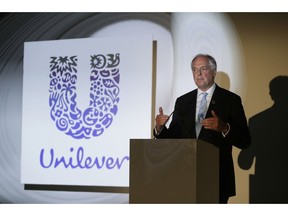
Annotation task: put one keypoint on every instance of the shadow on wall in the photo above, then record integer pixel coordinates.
(269, 132)
(222, 79)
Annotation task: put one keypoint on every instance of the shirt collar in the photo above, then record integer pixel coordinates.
(209, 91)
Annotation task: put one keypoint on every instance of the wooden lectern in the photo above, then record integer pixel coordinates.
(173, 171)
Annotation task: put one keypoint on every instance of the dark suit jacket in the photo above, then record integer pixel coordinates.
(228, 107)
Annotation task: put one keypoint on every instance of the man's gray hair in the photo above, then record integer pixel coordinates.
(212, 61)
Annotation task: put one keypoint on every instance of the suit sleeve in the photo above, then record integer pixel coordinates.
(176, 129)
(239, 134)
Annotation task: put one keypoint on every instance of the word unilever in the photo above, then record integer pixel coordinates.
(80, 160)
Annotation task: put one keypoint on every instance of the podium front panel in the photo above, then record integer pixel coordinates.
(167, 171)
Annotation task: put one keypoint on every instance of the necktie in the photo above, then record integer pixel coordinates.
(201, 112)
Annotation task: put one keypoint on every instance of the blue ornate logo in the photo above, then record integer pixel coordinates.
(104, 95)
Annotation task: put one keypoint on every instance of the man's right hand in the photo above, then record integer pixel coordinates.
(160, 119)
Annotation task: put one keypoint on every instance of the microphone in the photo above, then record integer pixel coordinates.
(162, 126)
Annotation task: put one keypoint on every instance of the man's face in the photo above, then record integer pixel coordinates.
(202, 73)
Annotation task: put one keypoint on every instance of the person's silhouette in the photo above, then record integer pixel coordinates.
(269, 146)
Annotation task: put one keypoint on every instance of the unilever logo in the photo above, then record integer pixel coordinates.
(104, 95)
(91, 122)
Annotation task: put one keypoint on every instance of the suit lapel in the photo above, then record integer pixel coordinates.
(193, 104)
(213, 102)
(191, 113)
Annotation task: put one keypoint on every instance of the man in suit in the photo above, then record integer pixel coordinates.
(224, 124)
